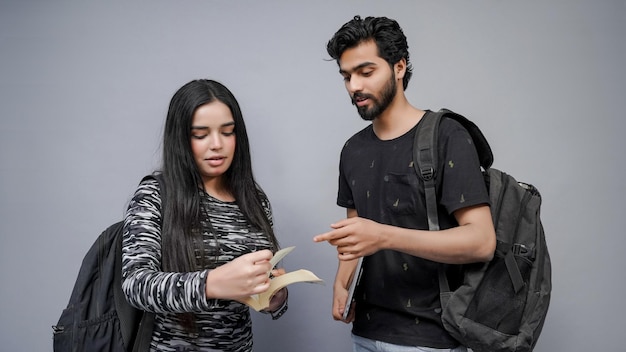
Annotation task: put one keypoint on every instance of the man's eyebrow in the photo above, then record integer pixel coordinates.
(358, 67)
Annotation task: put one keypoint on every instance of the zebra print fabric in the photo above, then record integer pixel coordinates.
(220, 325)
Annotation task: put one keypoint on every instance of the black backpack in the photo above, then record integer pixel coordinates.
(98, 317)
(500, 305)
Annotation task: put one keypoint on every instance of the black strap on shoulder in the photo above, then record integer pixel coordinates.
(425, 154)
(126, 313)
(144, 333)
(425, 162)
(146, 325)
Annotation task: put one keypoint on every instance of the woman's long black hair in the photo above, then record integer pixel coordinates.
(182, 209)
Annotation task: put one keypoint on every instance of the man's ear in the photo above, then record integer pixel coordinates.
(400, 69)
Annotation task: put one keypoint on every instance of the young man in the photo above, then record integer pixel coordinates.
(397, 306)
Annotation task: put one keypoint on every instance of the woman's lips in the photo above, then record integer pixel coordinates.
(215, 161)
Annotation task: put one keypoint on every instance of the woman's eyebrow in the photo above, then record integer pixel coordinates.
(227, 124)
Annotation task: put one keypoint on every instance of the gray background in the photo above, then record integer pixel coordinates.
(84, 88)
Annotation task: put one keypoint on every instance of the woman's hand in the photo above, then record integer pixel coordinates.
(243, 276)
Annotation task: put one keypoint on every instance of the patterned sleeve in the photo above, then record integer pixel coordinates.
(267, 207)
(144, 283)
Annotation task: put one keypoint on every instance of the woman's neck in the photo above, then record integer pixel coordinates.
(216, 188)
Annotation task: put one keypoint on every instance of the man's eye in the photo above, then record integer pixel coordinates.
(346, 78)
(367, 74)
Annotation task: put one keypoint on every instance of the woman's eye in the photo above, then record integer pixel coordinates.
(198, 136)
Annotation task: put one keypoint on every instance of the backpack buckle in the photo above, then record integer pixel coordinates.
(427, 173)
(523, 251)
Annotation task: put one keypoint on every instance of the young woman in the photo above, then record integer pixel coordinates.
(196, 248)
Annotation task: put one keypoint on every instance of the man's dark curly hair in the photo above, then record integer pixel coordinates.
(385, 32)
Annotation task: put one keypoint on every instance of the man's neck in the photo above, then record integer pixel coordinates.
(397, 119)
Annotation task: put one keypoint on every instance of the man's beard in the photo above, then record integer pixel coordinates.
(378, 106)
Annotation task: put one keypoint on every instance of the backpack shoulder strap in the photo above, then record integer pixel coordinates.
(140, 342)
(425, 161)
(425, 154)
(144, 332)
(127, 314)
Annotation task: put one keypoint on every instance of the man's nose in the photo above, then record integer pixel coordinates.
(354, 85)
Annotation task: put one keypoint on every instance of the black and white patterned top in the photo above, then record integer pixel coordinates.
(220, 325)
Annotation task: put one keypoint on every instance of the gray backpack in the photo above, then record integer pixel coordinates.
(500, 305)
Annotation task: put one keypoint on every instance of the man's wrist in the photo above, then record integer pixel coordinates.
(279, 313)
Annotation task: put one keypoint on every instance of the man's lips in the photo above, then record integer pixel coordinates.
(360, 99)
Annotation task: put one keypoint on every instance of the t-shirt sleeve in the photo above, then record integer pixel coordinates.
(463, 184)
(144, 283)
(344, 193)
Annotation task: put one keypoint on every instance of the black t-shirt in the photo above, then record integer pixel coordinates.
(398, 297)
